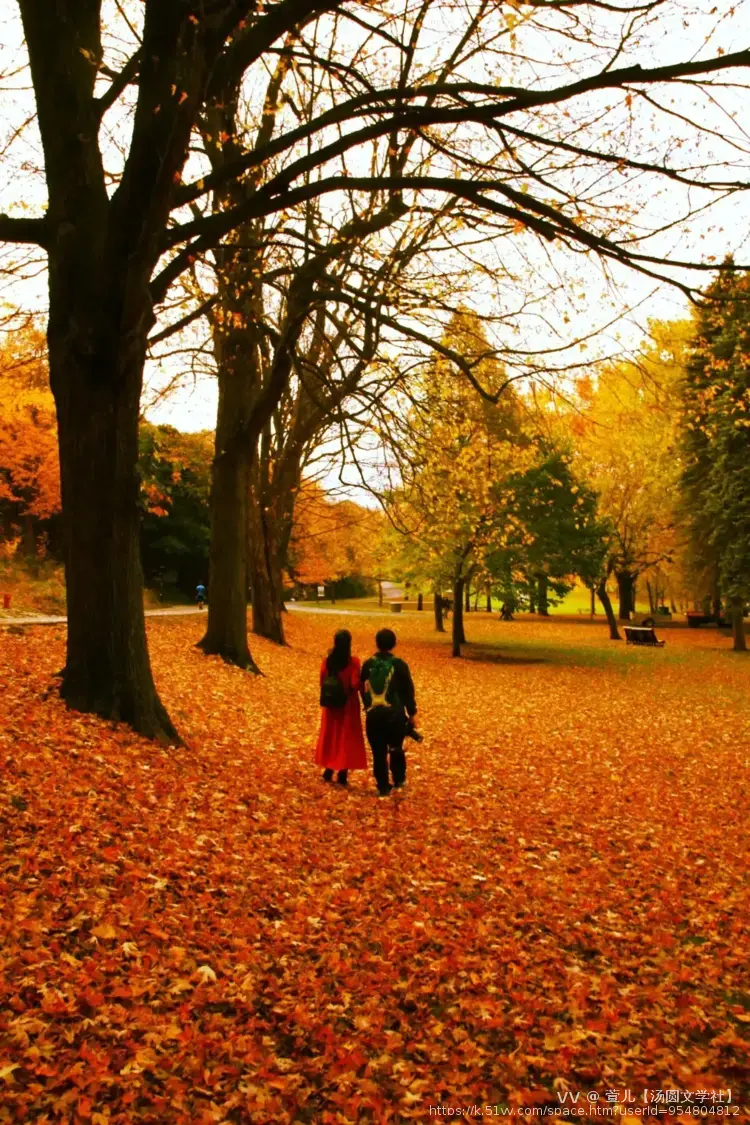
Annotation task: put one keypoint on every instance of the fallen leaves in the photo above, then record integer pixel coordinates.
(209, 934)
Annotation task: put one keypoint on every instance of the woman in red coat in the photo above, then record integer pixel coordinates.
(341, 744)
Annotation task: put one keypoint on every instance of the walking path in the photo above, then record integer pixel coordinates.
(302, 607)
(184, 610)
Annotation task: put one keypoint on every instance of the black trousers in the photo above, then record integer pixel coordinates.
(385, 732)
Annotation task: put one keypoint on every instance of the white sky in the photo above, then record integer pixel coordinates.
(590, 299)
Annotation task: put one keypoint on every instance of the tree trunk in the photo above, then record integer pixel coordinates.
(438, 607)
(96, 376)
(625, 591)
(489, 601)
(542, 586)
(458, 634)
(226, 630)
(28, 539)
(738, 625)
(420, 602)
(532, 603)
(604, 598)
(593, 602)
(716, 602)
(467, 597)
(266, 579)
(380, 592)
(651, 599)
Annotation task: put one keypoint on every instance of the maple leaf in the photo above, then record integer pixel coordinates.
(498, 933)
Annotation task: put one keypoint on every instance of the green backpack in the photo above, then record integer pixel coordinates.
(378, 683)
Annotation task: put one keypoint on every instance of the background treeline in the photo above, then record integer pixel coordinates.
(331, 542)
(631, 476)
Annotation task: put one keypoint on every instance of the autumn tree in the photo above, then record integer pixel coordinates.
(624, 424)
(457, 450)
(123, 219)
(29, 469)
(330, 539)
(716, 439)
(298, 309)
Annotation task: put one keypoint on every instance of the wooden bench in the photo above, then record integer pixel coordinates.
(642, 635)
(696, 618)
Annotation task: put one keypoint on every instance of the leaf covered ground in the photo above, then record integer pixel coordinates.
(558, 901)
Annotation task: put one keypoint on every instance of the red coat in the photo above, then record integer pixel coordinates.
(341, 744)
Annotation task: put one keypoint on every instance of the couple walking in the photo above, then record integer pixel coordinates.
(385, 685)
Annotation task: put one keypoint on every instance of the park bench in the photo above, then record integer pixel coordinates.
(696, 618)
(642, 635)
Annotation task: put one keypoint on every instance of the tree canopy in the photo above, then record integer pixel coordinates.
(716, 437)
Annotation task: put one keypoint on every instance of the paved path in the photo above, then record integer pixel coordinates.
(40, 619)
(184, 610)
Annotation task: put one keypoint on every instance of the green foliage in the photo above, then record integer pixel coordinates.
(716, 433)
(175, 471)
(561, 534)
(485, 495)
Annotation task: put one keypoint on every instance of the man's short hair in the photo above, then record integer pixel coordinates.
(385, 639)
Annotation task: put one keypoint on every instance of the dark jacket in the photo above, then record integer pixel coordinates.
(401, 685)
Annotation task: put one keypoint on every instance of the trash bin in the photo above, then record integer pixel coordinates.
(6, 601)
(395, 607)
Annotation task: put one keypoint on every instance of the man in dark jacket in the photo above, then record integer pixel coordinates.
(388, 693)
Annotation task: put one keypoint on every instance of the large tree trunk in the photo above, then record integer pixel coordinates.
(103, 246)
(226, 631)
(542, 603)
(467, 597)
(738, 625)
(625, 592)
(268, 601)
(651, 597)
(593, 602)
(438, 607)
(28, 539)
(604, 598)
(458, 635)
(265, 569)
(489, 600)
(96, 380)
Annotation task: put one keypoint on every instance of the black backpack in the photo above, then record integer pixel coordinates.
(332, 692)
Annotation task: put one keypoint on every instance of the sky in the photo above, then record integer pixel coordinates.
(616, 306)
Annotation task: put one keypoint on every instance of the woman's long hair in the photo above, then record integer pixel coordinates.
(341, 653)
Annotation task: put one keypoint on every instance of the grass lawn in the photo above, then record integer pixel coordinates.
(577, 603)
(558, 901)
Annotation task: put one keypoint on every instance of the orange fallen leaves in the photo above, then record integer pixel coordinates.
(209, 934)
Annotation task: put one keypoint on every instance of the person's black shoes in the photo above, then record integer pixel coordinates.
(327, 775)
(385, 792)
